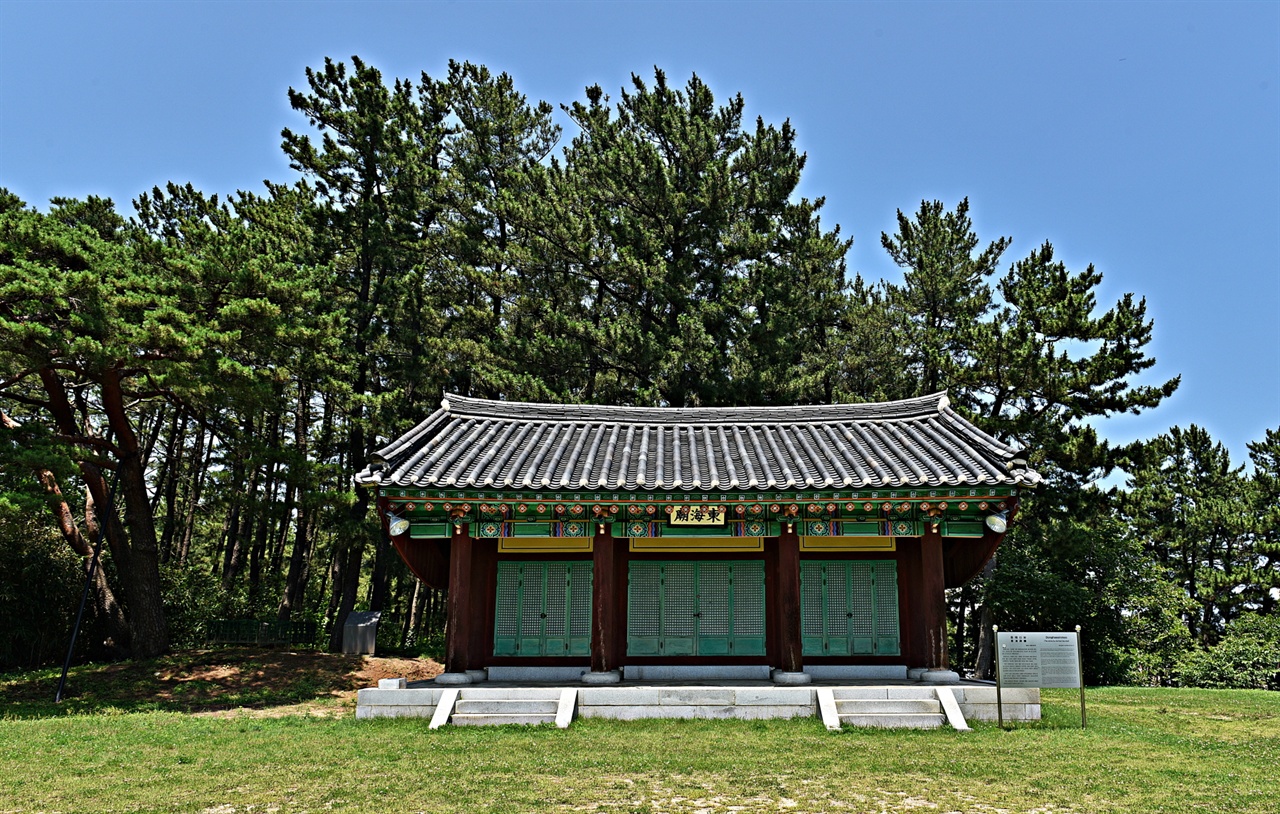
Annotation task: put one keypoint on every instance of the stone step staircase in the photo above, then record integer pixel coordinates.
(889, 707)
(485, 706)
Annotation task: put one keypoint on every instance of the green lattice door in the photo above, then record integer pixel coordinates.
(849, 608)
(543, 609)
(695, 608)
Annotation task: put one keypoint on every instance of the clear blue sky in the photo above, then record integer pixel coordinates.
(1141, 137)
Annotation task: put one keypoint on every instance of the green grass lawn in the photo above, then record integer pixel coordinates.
(1144, 750)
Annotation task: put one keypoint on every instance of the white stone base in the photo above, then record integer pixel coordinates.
(784, 678)
(940, 677)
(915, 673)
(392, 684)
(453, 679)
(607, 677)
(696, 672)
(478, 676)
(537, 674)
(857, 672)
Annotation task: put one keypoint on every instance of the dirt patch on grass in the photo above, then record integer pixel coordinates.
(212, 681)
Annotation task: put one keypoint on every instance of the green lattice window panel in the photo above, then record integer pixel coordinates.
(696, 608)
(849, 608)
(543, 609)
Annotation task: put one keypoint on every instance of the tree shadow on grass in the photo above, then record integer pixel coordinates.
(201, 681)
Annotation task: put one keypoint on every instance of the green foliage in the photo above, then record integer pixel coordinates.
(1190, 507)
(192, 598)
(1086, 571)
(1247, 658)
(39, 593)
(680, 269)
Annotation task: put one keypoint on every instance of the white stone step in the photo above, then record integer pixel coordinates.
(888, 706)
(894, 721)
(509, 694)
(463, 719)
(507, 707)
(893, 693)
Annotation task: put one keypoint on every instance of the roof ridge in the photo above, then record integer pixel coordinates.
(932, 404)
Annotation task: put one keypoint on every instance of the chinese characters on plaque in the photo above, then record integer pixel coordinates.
(697, 515)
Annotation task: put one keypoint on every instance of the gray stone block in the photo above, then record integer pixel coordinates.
(543, 674)
(760, 713)
(396, 711)
(619, 696)
(774, 696)
(987, 695)
(696, 672)
(682, 696)
(392, 684)
(379, 697)
(857, 672)
(1012, 712)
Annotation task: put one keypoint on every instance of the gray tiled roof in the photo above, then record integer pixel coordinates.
(478, 444)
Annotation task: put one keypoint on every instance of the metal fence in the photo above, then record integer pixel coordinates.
(254, 631)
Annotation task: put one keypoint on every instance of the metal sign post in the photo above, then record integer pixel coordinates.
(999, 701)
(1080, 665)
(104, 517)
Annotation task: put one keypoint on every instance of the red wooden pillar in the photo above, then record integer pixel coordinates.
(933, 599)
(479, 618)
(604, 602)
(788, 613)
(909, 605)
(457, 640)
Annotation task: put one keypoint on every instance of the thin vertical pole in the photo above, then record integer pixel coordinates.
(995, 629)
(1080, 666)
(103, 519)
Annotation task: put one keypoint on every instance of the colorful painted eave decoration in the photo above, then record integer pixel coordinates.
(817, 513)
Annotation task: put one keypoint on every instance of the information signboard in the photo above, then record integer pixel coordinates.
(1039, 659)
(1035, 660)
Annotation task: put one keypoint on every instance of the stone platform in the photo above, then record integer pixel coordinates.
(839, 703)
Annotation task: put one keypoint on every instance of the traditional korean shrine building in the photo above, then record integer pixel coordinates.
(794, 540)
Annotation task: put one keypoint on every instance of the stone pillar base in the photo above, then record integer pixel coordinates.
(784, 677)
(477, 676)
(606, 677)
(940, 677)
(916, 673)
(453, 679)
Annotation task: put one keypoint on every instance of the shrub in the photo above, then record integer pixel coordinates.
(1248, 657)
